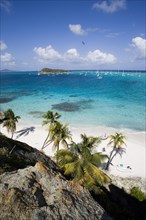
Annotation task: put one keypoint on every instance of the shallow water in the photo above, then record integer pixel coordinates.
(102, 98)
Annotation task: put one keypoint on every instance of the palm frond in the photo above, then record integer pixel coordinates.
(78, 173)
(98, 158)
(69, 168)
(88, 179)
(64, 156)
(90, 142)
(10, 123)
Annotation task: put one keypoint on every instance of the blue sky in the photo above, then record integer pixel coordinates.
(101, 34)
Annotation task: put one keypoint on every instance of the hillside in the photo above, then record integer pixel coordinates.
(34, 189)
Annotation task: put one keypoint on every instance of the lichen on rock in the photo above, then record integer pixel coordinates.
(36, 193)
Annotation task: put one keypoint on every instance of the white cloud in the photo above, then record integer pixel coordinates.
(110, 6)
(72, 57)
(72, 54)
(3, 46)
(140, 44)
(6, 5)
(99, 57)
(46, 54)
(7, 57)
(114, 34)
(77, 29)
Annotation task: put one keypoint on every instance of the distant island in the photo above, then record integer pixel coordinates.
(49, 71)
(6, 70)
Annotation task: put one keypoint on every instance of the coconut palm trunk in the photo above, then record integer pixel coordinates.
(43, 146)
(12, 135)
(59, 135)
(110, 159)
(117, 141)
(65, 143)
(50, 119)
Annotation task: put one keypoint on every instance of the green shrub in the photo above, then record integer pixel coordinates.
(137, 193)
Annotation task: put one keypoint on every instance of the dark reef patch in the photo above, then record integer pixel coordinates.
(72, 96)
(67, 107)
(131, 82)
(120, 106)
(86, 103)
(17, 94)
(73, 106)
(48, 97)
(6, 100)
(10, 96)
(36, 114)
(134, 82)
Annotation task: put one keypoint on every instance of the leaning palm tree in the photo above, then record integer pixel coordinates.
(117, 142)
(10, 122)
(51, 119)
(90, 142)
(81, 164)
(59, 134)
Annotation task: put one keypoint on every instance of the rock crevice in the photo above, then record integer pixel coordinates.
(36, 193)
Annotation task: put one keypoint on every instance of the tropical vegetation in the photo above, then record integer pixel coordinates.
(116, 142)
(49, 119)
(11, 121)
(137, 193)
(81, 164)
(59, 134)
(49, 70)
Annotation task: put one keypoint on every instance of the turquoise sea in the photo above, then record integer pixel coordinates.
(102, 98)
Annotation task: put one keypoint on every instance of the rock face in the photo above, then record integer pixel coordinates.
(15, 154)
(40, 192)
(129, 182)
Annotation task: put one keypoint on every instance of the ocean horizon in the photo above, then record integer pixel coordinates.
(83, 97)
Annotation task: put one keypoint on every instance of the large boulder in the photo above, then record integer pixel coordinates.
(15, 154)
(38, 191)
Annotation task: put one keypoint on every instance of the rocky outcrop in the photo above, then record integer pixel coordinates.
(128, 183)
(34, 189)
(38, 192)
(15, 154)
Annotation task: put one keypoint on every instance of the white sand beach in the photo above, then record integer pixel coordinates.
(134, 157)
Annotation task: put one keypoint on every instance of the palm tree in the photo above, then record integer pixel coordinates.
(10, 122)
(81, 164)
(51, 119)
(90, 142)
(117, 142)
(59, 133)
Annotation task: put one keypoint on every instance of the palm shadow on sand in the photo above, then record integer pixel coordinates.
(25, 131)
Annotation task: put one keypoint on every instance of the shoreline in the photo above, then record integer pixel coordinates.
(135, 155)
